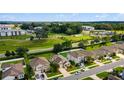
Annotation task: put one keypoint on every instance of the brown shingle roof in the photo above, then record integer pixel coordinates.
(39, 60)
(13, 70)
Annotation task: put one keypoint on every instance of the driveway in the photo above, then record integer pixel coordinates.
(94, 71)
(64, 72)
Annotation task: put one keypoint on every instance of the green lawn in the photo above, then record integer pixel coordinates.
(102, 75)
(46, 55)
(64, 54)
(78, 38)
(89, 64)
(72, 67)
(35, 44)
(88, 78)
(52, 74)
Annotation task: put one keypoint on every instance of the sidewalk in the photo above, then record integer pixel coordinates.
(95, 77)
(64, 72)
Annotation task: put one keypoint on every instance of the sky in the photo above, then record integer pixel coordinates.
(83, 17)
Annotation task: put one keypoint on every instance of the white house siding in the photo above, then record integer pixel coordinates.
(76, 60)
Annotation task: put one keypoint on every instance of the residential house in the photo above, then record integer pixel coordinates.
(40, 64)
(78, 56)
(63, 62)
(12, 71)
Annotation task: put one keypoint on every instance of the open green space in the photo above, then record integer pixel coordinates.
(103, 75)
(47, 55)
(64, 54)
(88, 78)
(97, 46)
(35, 44)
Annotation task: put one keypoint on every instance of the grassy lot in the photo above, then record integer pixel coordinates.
(97, 46)
(35, 44)
(46, 55)
(64, 54)
(78, 38)
(21, 37)
(103, 75)
(88, 78)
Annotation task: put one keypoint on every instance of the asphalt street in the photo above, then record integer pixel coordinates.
(94, 71)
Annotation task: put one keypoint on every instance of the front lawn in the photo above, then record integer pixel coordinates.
(72, 67)
(103, 75)
(89, 64)
(88, 78)
(50, 74)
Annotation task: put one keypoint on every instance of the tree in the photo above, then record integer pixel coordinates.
(13, 53)
(81, 45)
(54, 67)
(89, 59)
(28, 72)
(8, 53)
(40, 33)
(31, 38)
(21, 51)
(67, 44)
(57, 48)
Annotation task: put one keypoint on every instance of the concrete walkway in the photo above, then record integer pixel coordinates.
(11, 60)
(95, 77)
(64, 72)
(98, 63)
(121, 56)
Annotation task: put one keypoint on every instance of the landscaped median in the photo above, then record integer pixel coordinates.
(103, 75)
(87, 78)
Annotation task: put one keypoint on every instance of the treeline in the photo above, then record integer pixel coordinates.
(71, 27)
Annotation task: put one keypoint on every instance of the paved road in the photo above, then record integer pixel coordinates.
(11, 60)
(93, 71)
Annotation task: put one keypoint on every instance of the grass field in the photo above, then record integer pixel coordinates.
(35, 44)
(46, 55)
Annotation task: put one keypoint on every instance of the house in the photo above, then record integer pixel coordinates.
(78, 56)
(63, 62)
(40, 64)
(88, 28)
(12, 71)
(9, 30)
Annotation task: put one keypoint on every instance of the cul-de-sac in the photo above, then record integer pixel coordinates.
(62, 50)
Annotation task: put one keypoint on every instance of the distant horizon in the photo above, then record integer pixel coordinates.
(61, 17)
